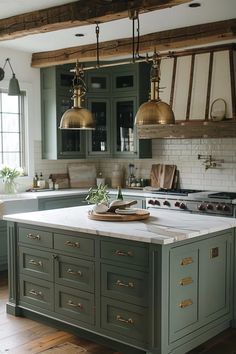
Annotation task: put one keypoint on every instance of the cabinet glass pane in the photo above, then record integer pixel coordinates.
(66, 80)
(124, 81)
(99, 135)
(98, 82)
(125, 126)
(70, 139)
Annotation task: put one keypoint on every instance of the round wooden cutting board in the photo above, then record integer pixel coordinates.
(141, 214)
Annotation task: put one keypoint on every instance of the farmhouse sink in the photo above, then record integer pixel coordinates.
(17, 203)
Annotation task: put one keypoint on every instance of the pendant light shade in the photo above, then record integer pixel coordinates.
(77, 117)
(155, 111)
(14, 87)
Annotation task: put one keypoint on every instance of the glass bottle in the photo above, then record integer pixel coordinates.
(35, 180)
(119, 194)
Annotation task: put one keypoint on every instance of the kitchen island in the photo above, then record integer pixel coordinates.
(163, 285)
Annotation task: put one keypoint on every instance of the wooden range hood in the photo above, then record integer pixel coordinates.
(193, 80)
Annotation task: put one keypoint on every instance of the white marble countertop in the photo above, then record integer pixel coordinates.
(162, 227)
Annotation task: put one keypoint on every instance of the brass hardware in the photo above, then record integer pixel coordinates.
(123, 253)
(55, 256)
(214, 252)
(186, 281)
(185, 303)
(72, 244)
(38, 264)
(36, 293)
(70, 271)
(71, 303)
(129, 285)
(121, 319)
(33, 237)
(186, 261)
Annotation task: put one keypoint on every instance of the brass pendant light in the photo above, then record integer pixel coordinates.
(155, 111)
(78, 118)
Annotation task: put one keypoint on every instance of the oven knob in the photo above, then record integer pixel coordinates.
(177, 204)
(166, 203)
(201, 207)
(209, 207)
(182, 206)
(151, 201)
(226, 208)
(156, 202)
(218, 207)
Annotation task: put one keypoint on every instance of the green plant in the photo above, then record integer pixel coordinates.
(8, 174)
(98, 194)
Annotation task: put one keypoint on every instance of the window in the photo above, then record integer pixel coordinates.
(11, 130)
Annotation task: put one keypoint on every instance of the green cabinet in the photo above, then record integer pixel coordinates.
(61, 202)
(114, 96)
(3, 245)
(56, 84)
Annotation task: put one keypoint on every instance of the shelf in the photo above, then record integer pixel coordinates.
(189, 130)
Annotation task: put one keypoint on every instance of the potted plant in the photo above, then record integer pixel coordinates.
(99, 196)
(8, 176)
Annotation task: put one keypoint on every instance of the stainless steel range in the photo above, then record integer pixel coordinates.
(195, 201)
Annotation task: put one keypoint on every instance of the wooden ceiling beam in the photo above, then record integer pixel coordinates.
(162, 41)
(74, 14)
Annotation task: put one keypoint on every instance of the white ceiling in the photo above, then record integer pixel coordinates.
(175, 17)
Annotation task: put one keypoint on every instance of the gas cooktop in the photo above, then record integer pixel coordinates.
(175, 191)
(223, 195)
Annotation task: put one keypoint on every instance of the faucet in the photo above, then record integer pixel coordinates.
(209, 161)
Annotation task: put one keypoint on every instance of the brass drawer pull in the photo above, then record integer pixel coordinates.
(185, 303)
(35, 293)
(33, 237)
(129, 285)
(186, 281)
(71, 271)
(72, 304)
(186, 261)
(121, 319)
(72, 244)
(123, 253)
(35, 263)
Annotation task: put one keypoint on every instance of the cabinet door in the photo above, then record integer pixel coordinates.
(124, 79)
(98, 82)
(100, 139)
(3, 245)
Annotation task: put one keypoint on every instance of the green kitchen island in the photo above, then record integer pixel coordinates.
(159, 286)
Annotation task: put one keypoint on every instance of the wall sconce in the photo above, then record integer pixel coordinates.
(13, 88)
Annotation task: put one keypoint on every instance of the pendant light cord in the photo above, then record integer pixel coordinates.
(97, 47)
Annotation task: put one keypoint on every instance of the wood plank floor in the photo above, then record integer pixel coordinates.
(23, 336)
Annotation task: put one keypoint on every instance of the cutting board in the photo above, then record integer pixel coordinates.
(141, 214)
(162, 176)
(82, 175)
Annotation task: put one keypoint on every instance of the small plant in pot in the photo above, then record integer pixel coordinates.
(99, 196)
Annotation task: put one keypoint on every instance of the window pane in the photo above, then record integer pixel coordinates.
(10, 123)
(10, 104)
(11, 142)
(11, 159)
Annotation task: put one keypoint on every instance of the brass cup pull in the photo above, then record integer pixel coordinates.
(128, 285)
(35, 263)
(72, 304)
(186, 281)
(72, 244)
(35, 293)
(33, 237)
(121, 319)
(124, 253)
(71, 271)
(186, 261)
(185, 303)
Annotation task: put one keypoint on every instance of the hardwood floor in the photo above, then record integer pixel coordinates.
(23, 336)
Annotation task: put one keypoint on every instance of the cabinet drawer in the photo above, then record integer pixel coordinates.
(76, 245)
(128, 322)
(35, 237)
(183, 262)
(78, 305)
(36, 263)
(125, 253)
(122, 283)
(36, 292)
(74, 272)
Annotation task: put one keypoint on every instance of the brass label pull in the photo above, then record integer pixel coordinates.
(36, 293)
(121, 319)
(128, 285)
(72, 244)
(35, 263)
(186, 261)
(124, 253)
(214, 252)
(185, 303)
(72, 304)
(33, 237)
(186, 281)
(71, 271)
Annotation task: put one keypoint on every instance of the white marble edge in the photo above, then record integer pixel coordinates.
(162, 227)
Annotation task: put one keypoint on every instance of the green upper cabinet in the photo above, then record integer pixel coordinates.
(56, 84)
(114, 95)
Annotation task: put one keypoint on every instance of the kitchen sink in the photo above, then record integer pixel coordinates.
(17, 203)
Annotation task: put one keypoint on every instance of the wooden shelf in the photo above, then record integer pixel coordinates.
(189, 130)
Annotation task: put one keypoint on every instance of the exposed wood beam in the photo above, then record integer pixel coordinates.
(76, 14)
(162, 41)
